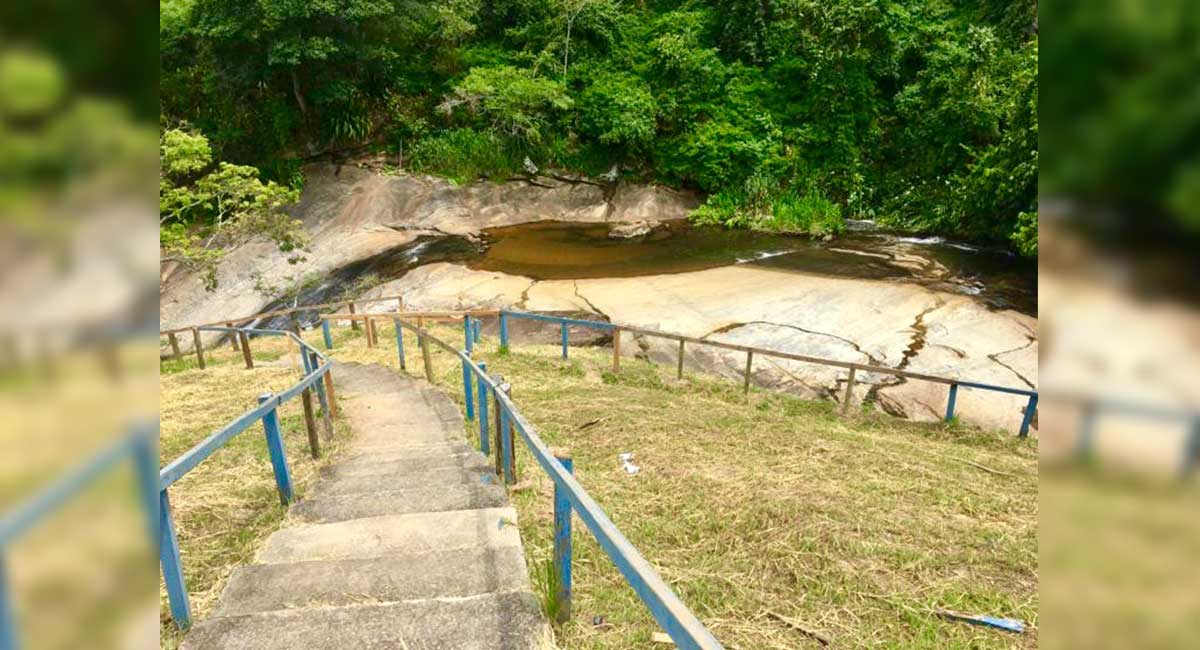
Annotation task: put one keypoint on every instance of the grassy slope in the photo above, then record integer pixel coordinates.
(856, 526)
(228, 505)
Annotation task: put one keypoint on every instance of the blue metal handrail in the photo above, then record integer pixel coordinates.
(953, 383)
(169, 557)
(138, 447)
(684, 628)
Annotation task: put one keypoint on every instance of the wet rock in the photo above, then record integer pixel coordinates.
(633, 230)
(353, 214)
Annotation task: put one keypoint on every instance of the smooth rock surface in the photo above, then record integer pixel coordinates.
(352, 214)
(878, 322)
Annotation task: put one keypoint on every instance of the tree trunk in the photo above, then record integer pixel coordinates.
(298, 94)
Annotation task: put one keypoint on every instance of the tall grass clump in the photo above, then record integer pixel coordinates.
(757, 206)
(464, 155)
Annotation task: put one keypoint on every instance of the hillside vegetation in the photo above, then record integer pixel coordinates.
(790, 115)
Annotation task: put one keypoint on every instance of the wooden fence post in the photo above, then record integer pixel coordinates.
(849, 391)
(372, 326)
(331, 396)
(562, 543)
(368, 331)
(310, 423)
(679, 369)
(353, 323)
(246, 356)
(174, 340)
(199, 347)
(749, 363)
(616, 349)
(233, 341)
(322, 399)
(424, 341)
(399, 342)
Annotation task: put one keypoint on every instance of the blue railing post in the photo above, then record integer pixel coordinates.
(565, 339)
(468, 397)
(399, 342)
(484, 447)
(1030, 409)
(478, 322)
(562, 543)
(950, 400)
(468, 334)
(308, 368)
(283, 478)
(503, 330)
(172, 567)
(8, 617)
(326, 334)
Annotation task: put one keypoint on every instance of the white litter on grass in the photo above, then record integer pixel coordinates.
(627, 463)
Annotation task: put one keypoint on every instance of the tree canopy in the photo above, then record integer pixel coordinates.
(789, 114)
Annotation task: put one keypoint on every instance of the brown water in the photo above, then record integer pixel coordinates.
(559, 250)
(556, 250)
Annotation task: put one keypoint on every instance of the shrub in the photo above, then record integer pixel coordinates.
(464, 155)
(809, 213)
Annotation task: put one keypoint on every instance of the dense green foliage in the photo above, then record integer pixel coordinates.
(205, 207)
(790, 114)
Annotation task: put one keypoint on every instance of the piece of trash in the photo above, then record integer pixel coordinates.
(627, 463)
(504, 520)
(487, 479)
(591, 423)
(1006, 624)
(659, 637)
(598, 621)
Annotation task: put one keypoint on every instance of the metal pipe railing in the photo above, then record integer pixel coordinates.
(316, 372)
(684, 628)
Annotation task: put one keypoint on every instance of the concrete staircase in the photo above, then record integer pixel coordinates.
(405, 542)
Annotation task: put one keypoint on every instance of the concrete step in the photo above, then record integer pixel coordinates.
(327, 509)
(401, 450)
(508, 621)
(439, 574)
(405, 461)
(443, 477)
(393, 535)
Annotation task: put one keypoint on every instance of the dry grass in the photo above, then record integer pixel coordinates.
(857, 527)
(228, 505)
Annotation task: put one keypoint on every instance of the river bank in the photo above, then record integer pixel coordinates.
(922, 305)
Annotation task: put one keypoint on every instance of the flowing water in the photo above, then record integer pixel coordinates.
(559, 250)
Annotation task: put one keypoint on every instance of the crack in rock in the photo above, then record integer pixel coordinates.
(995, 356)
(914, 347)
(589, 302)
(525, 294)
